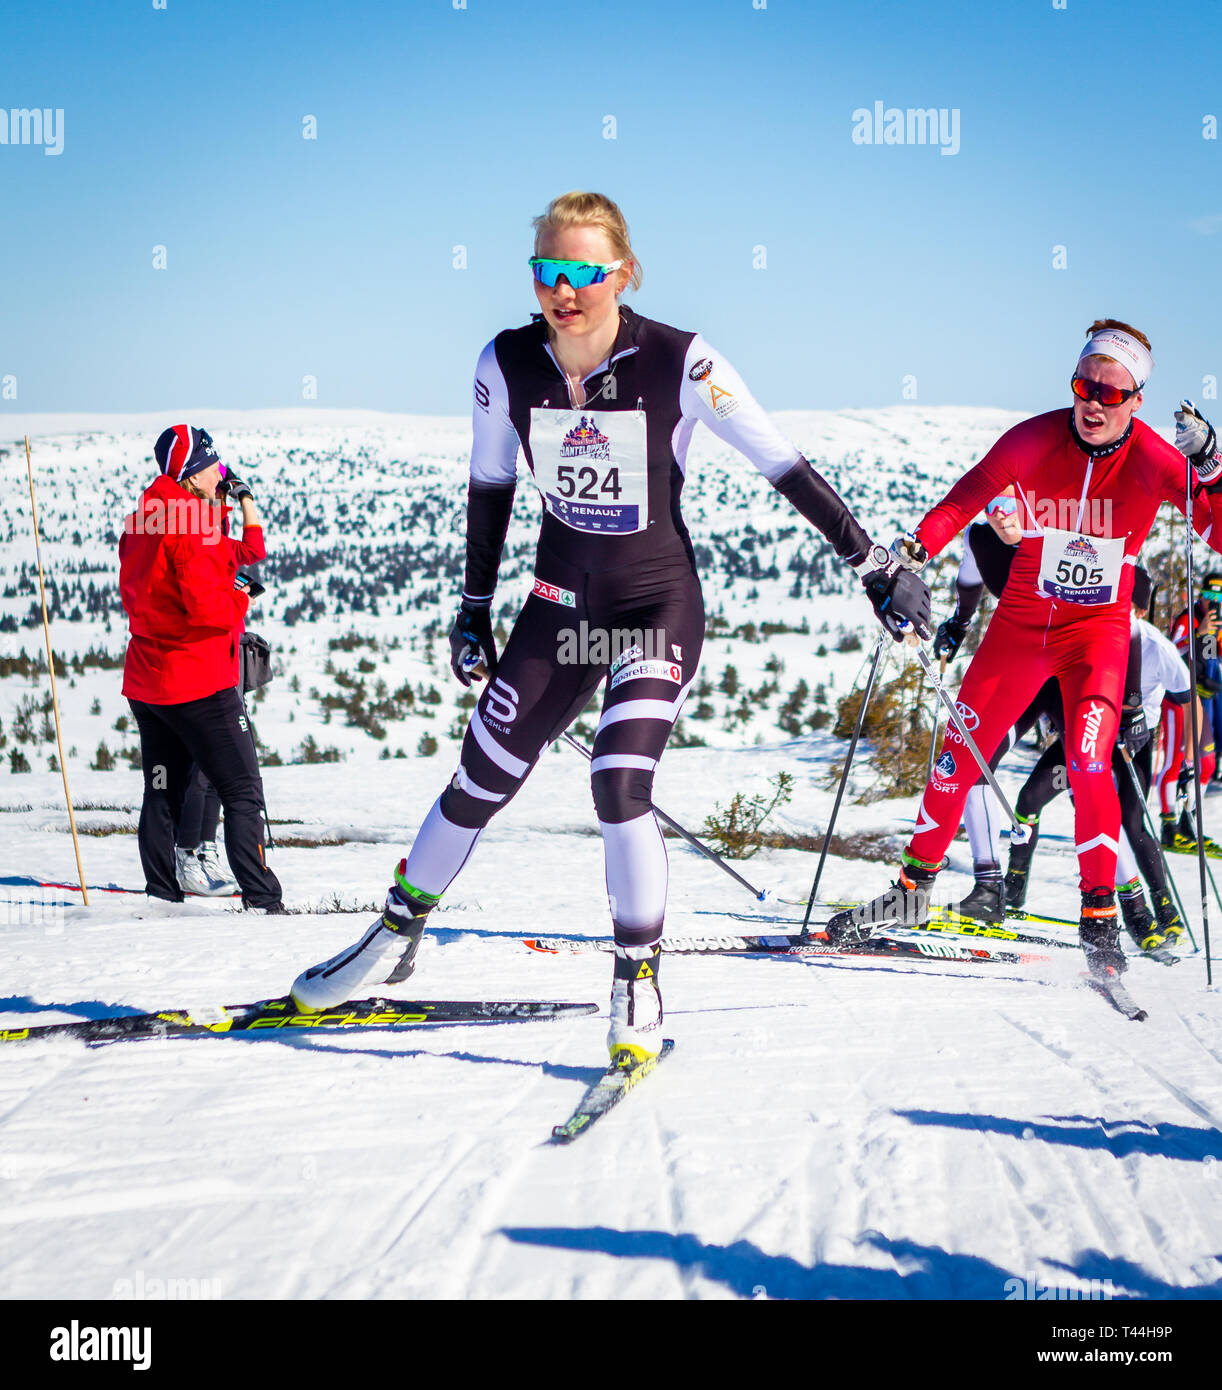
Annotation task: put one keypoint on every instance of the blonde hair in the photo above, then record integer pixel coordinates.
(1121, 326)
(590, 210)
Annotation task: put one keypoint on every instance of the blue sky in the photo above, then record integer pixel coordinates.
(1079, 127)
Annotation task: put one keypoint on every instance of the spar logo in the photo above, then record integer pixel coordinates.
(1080, 548)
(585, 441)
(1090, 730)
(555, 594)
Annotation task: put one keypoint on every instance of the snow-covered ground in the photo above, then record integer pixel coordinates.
(825, 1127)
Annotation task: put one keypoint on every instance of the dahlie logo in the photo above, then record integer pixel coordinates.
(1082, 547)
(585, 440)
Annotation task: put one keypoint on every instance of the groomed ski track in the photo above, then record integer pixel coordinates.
(825, 1128)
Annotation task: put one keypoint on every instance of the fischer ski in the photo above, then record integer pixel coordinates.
(1162, 954)
(283, 1013)
(955, 924)
(816, 944)
(606, 1093)
(1118, 997)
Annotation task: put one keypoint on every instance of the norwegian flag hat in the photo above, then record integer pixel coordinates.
(184, 449)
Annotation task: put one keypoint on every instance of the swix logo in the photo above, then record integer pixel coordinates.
(501, 701)
(1090, 730)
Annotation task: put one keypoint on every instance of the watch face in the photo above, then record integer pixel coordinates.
(881, 556)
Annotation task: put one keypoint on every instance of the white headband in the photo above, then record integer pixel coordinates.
(1123, 348)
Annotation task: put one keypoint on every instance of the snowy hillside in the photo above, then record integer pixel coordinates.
(826, 1127)
(364, 527)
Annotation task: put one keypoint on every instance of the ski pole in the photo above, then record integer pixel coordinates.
(1196, 760)
(1019, 832)
(758, 893)
(933, 737)
(1153, 834)
(1182, 804)
(1208, 871)
(46, 627)
(844, 777)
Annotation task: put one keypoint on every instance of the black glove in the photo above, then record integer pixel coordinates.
(233, 488)
(948, 638)
(471, 641)
(1134, 731)
(901, 598)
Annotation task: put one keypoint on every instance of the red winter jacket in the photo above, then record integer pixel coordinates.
(176, 572)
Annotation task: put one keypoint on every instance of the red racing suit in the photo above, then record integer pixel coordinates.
(1064, 612)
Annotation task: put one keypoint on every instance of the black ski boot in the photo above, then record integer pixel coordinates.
(1099, 933)
(1170, 923)
(905, 903)
(406, 911)
(1020, 863)
(1138, 921)
(986, 901)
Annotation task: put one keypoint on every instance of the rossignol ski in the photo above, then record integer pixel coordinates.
(925, 948)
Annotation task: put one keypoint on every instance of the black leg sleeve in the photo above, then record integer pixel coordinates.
(166, 764)
(1049, 777)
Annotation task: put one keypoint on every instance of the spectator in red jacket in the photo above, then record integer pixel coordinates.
(185, 608)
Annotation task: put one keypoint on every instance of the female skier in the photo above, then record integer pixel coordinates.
(602, 403)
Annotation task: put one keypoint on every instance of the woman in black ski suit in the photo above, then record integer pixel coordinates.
(602, 402)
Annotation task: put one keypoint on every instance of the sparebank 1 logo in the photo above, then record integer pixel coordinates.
(586, 441)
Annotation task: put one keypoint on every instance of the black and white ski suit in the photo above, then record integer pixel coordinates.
(616, 598)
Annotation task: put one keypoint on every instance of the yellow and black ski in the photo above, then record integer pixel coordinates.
(284, 1015)
(606, 1093)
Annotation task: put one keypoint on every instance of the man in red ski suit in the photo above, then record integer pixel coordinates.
(1089, 484)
